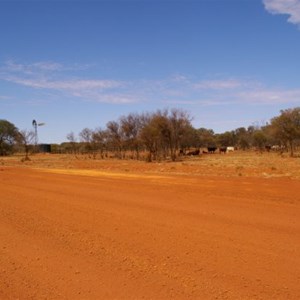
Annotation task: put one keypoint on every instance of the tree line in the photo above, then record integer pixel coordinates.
(161, 134)
(164, 133)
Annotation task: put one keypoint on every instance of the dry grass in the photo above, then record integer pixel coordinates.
(239, 163)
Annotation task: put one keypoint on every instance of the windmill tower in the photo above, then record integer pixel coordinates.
(35, 126)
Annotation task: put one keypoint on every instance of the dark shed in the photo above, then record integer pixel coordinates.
(45, 148)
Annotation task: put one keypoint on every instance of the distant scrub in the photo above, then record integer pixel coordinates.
(162, 134)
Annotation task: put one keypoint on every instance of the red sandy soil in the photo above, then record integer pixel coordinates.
(74, 230)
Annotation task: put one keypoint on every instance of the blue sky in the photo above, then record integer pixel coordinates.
(76, 64)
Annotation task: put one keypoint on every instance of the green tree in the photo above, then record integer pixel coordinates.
(226, 139)
(286, 127)
(242, 138)
(206, 137)
(259, 139)
(9, 135)
(190, 139)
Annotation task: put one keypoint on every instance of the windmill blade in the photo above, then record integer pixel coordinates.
(41, 124)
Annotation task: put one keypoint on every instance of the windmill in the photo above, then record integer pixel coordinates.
(35, 126)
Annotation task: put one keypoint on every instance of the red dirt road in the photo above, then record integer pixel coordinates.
(104, 236)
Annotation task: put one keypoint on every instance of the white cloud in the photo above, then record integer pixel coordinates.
(12, 66)
(50, 76)
(50, 82)
(39, 67)
(48, 66)
(4, 98)
(204, 93)
(116, 98)
(201, 102)
(270, 96)
(69, 85)
(218, 84)
(285, 7)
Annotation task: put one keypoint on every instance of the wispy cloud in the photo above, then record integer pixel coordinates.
(68, 85)
(12, 66)
(4, 98)
(50, 78)
(285, 7)
(218, 84)
(270, 96)
(40, 67)
(225, 92)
